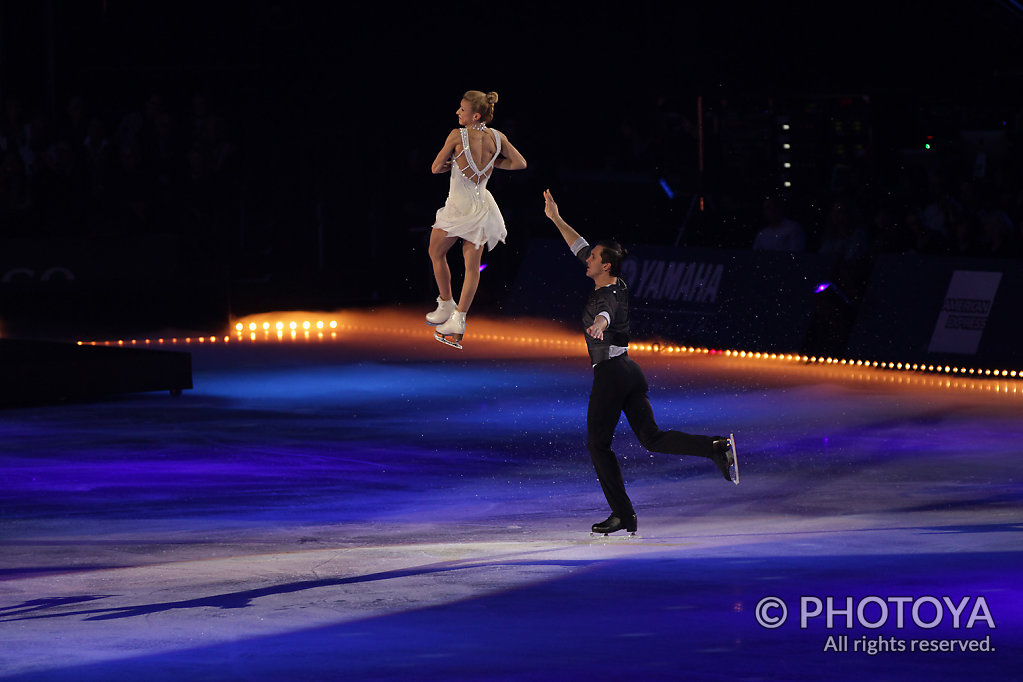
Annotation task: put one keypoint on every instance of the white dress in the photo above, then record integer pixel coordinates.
(470, 211)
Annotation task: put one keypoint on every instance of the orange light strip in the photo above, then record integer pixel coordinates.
(296, 326)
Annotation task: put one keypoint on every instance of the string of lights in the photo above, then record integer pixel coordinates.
(291, 327)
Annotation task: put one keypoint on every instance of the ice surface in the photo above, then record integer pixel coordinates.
(382, 507)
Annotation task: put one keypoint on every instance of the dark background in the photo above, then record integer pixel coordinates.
(263, 155)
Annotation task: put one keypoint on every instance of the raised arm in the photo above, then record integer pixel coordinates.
(442, 164)
(551, 209)
(510, 158)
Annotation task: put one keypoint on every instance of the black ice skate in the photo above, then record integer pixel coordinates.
(614, 523)
(726, 457)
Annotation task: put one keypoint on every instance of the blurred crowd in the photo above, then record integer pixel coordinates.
(172, 165)
(929, 213)
(161, 165)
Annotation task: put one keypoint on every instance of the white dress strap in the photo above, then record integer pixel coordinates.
(468, 153)
(497, 140)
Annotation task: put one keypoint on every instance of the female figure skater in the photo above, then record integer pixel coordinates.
(470, 153)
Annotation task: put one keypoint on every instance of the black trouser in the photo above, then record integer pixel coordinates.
(619, 385)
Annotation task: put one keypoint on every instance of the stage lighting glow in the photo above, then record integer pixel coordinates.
(823, 286)
(483, 266)
(380, 324)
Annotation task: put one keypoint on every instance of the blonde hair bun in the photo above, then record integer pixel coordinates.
(482, 103)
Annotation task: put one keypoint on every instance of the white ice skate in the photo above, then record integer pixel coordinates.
(442, 313)
(451, 332)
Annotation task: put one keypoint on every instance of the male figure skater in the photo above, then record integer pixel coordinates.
(619, 383)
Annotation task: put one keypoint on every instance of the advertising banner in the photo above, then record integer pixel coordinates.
(715, 298)
(943, 311)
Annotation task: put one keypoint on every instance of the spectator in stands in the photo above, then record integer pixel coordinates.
(935, 215)
(780, 233)
(925, 240)
(845, 233)
(1016, 213)
(996, 235)
(891, 235)
(75, 124)
(13, 183)
(964, 232)
(130, 189)
(97, 149)
(14, 127)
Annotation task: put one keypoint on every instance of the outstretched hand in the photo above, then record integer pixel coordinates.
(550, 207)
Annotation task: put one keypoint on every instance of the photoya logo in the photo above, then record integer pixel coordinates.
(659, 280)
(874, 612)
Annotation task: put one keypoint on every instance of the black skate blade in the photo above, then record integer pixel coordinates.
(614, 537)
(446, 341)
(735, 459)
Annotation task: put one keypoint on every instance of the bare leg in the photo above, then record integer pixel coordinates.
(440, 244)
(472, 255)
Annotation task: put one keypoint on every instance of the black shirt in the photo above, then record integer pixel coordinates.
(612, 299)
